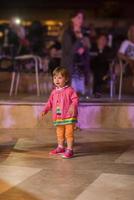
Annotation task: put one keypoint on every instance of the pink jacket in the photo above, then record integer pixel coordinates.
(62, 98)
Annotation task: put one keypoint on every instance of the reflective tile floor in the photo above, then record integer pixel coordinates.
(102, 168)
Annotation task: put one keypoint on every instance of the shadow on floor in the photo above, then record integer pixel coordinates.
(99, 148)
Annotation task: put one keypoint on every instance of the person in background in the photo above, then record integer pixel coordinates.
(64, 104)
(36, 38)
(126, 50)
(100, 59)
(15, 40)
(54, 56)
(75, 52)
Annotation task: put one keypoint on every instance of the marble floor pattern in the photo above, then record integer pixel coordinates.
(102, 168)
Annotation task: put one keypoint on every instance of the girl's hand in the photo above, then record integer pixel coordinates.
(42, 115)
(71, 111)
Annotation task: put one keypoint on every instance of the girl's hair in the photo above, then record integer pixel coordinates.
(63, 71)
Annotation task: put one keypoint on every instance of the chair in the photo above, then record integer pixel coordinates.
(122, 65)
(18, 62)
(112, 78)
(7, 65)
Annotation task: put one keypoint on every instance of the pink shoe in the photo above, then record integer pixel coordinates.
(68, 153)
(58, 150)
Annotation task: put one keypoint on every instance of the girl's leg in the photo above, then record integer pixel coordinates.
(69, 134)
(60, 131)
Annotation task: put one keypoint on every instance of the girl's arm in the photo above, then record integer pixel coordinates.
(74, 98)
(74, 105)
(48, 105)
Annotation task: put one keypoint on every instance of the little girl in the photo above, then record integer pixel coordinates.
(64, 102)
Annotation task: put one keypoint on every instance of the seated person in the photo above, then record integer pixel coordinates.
(126, 50)
(100, 57)
(54, 56)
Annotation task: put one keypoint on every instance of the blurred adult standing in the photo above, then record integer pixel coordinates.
(75, 51)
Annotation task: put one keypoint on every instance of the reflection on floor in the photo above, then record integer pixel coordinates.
(102, 169)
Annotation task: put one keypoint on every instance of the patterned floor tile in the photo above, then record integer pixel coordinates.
(127, 157)
(12, 175)
(110, 187)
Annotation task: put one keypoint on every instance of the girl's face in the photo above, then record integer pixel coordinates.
(78, 20)
(59, 80)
